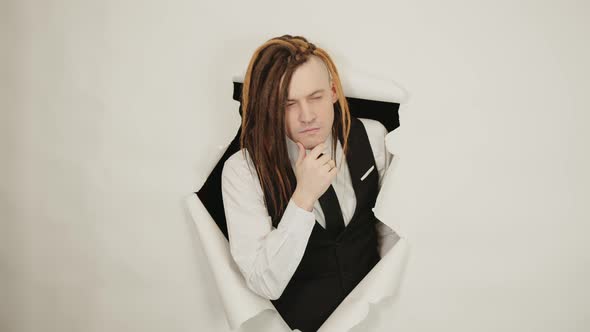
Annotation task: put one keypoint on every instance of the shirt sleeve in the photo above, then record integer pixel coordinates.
(266, 256)
(386, 237)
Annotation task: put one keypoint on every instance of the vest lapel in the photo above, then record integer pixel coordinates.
(361, 161)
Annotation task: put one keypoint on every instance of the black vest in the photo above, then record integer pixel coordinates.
(331, 267)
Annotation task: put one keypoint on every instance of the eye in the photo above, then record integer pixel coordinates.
(319, 97)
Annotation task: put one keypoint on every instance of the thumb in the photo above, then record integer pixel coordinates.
(301, 154)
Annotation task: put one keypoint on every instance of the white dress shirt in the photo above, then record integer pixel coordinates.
(268, 256)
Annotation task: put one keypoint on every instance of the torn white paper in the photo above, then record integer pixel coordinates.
(241, 304)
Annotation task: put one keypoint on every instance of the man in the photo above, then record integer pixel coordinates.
(298, 196)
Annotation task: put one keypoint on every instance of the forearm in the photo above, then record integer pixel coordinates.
(269, 263)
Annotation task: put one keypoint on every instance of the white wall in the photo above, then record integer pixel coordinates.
(110, 111)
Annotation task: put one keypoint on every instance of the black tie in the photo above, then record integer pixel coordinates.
(332, 212)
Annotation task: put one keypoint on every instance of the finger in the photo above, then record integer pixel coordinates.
(333, 172)
(329, 165)
(315, 152)
(323, 159)
(301, 154)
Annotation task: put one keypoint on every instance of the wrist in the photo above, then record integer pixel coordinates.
(303, 200)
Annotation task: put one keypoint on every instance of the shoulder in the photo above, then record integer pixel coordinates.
(239, 169)
(238, 164)
(373, 127)
(376, 132)
(238, 176)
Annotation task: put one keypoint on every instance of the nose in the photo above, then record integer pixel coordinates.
(307, 114)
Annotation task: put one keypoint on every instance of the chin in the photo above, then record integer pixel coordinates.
(312, 142)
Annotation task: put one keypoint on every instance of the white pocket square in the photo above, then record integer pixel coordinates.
(367, 173)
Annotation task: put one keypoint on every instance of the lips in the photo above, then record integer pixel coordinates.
(310, 130)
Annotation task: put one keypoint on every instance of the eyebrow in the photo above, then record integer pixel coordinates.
(313, 93)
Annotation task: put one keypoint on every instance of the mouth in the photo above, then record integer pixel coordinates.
(310, 130)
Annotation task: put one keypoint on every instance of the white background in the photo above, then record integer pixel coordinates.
(111, 112)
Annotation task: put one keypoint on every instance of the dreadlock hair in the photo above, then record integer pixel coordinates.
(264, 97)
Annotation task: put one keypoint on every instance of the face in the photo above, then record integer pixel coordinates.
(309, 113)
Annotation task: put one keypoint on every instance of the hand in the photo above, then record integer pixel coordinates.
(314, 175)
